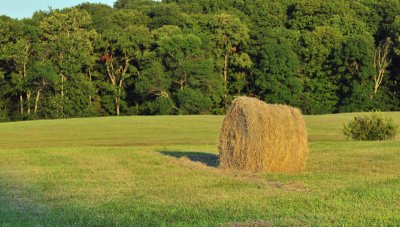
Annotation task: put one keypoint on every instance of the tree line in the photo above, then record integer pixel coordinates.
(194, 56)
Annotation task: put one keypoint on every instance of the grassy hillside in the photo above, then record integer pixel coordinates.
(163, 171)
(141, 130)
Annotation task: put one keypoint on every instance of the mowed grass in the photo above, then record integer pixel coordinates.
(152, 171)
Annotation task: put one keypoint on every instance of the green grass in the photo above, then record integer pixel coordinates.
(151, 171)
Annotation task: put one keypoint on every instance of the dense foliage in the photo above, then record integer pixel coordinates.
(194, 57)
(372, 127)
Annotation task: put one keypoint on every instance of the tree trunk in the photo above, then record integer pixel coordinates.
(21, 104)
(37, 100)
(118, 96)
(226, 70)
(28, 101)
(62, 94)
(225, 77)
(90, 79)
(382, 61)
(62, 86)
(117, 105)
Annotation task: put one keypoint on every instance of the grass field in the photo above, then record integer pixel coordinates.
(151, 171)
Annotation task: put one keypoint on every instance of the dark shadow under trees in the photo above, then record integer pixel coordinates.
(208, 159)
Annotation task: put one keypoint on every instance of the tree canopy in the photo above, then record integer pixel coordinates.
(145, 57)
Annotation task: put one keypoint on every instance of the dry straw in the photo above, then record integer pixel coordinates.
(256, 136)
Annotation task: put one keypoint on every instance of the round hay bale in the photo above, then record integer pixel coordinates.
(256, 136)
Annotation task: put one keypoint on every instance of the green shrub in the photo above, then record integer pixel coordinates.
(193, 101)
(372, 127)
(160, 106)
(3, 115)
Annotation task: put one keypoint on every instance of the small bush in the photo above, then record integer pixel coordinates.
(372, 127)
(193, 101)
(3, 116)
(160, 106)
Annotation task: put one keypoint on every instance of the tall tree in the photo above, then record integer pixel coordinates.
(278, 70)
(317, 50)
(42, 79)
(230, 35)
(69, 43)
(382, 61)
(18, 52)
(122, 50)
(355, 70)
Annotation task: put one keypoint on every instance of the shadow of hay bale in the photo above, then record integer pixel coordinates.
(207, 159)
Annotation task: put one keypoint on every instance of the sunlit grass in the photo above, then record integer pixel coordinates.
(151, 171)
